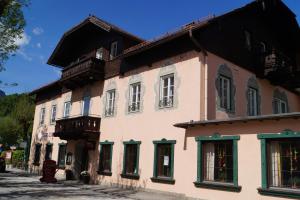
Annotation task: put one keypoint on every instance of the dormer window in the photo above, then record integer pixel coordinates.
(248, 39)
(99, 54)
(263, 48)
(113, 49)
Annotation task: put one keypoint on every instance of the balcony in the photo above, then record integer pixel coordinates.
(278, 68)
(82, 72)
(81, 127)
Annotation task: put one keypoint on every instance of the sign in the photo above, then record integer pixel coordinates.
(166, 160)
(8, 155)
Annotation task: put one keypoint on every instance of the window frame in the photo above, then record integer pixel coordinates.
(228, 96)
(110, 109)
(105, 173)
(59, 165)
(53, 118)
(233, 187)
(42, 116)
(37, 159)
(253, 111)
(159, 179)
(83, 104)
(136, 175)
(279, 104)
(265, 189)
(113, 49)
(169, 89)
(65, 114)
(137, 101)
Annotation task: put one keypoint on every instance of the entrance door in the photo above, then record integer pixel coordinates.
(81, 159)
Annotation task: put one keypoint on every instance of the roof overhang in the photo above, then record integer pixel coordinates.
(186, 125)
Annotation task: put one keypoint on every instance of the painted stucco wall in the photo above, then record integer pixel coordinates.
(240, 81)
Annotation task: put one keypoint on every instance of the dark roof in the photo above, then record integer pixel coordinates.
(103, 25)
(294, 115)
(54, 84)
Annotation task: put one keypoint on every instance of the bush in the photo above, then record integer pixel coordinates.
(18, 158)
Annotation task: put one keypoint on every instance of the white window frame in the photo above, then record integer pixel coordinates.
(278, 105)
(86, 99)
(42, 116)
(166, 98)
(99, 54)
(134, 97)
(52, 115)
(225, 92)
(253, 101)
(67, 114)
(113, 49)
(110, 102)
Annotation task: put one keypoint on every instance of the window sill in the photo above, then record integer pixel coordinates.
(218, 186)
(104, 173)
(279, 192)
(163, 180)
(131, 176)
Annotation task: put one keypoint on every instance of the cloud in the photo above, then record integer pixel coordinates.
(23, 40)
(38, 45)
(37, 31)
(24, 55)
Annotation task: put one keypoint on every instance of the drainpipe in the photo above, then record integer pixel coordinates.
(205, 56)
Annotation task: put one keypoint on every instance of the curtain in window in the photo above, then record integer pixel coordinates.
(275, 164)
(209, 161)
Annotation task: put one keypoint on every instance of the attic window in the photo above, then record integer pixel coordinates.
(113, 49)
(99, 54)
(248, 39)
(263, 47)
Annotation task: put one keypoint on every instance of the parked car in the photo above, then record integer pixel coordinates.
(2, 165)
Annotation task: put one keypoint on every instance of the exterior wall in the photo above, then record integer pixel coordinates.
(249, 158)
(240, 81)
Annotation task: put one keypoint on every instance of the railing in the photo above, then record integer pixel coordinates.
(90, 64)
(78, 124)
(275, 61)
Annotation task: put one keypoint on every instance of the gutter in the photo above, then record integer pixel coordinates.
(196, 43)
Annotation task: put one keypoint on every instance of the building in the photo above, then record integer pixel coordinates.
(210, 111)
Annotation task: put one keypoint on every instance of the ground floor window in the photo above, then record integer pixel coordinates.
(163, 161)
(131, 159)
(280, 163)
(217, 162)
(105, 158)
(61, 161)
(48, 153)
(37, 154)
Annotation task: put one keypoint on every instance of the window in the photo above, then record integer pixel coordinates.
(37, 154)
(134, 97)
(67, 108)
(217, 162)
(99, 54)
(263, 47)
(163, 161)
(53, 114)
(280, 106)
(105, 158)
(110, 102)
(48, 154)
(248, 40)
(113, 49)
(86, 105)
(225, 92)
(280, 160)
(42, 116)
(252, 101)
(166, 98)
(61, 155)
(131, 160)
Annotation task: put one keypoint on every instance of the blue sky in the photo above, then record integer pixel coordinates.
(47, 20)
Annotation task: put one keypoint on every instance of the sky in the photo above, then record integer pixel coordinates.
(47, 20)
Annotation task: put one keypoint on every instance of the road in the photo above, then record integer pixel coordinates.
(23, 186)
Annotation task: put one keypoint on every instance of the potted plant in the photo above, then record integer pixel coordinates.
(85, 177)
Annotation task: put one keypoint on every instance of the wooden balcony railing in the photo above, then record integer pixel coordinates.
(83, 72)
(82, 127)
(275, 61)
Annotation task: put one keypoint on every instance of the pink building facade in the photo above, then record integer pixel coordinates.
(176, 114)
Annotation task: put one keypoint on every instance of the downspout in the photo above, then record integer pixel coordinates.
(205, 56)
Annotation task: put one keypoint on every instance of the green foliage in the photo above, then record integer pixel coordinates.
(18, 156)
(12, 24)
(9, 131)
(7, 104)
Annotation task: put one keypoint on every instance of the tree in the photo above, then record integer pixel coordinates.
(12, 25)
(9, 131)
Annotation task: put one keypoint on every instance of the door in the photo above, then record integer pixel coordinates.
(81, 159)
